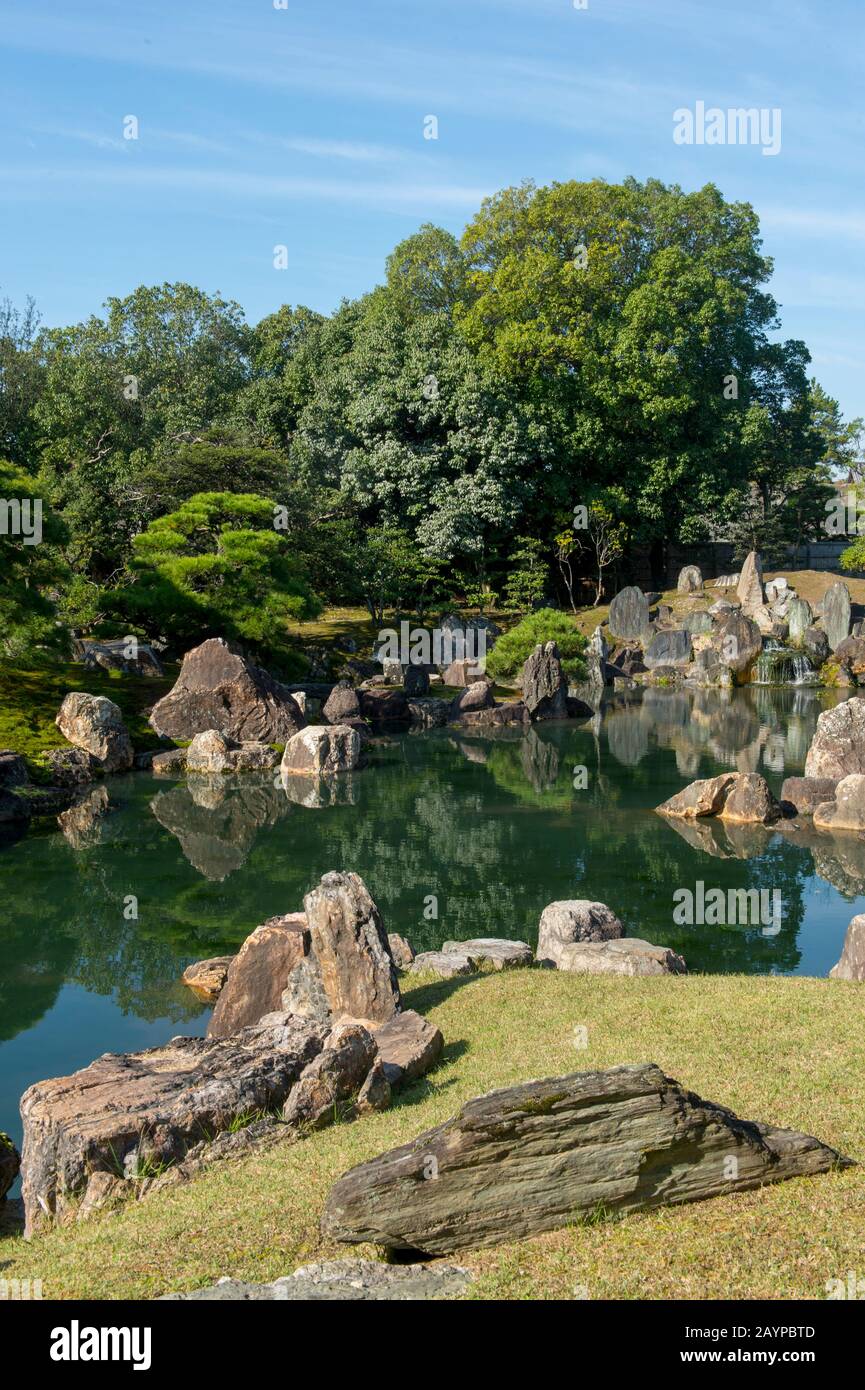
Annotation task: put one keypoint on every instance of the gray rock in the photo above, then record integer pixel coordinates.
(415, 682)
(95, 724)
(804, 794)
(350, 946)
(690, 580)
(737, 640)
(342, 703)
(749, 590)
(847, 810)
(10, 1163)
(444, 963)
(408, 1047)
(629, 615)
(799, 617)
(496, 951)
(851, 966)
(401, 950)
(838, 745)
(209, 752)
(629, 955)
(669, 648)
(429, 714)
(621, 1140)
(836, 614)
(576, 919)
(478, 696)
(343, 1281)
(815, 645)
(698, 621)
(545, 689)
(333, 1078)
(168, 764)
(322, 750)
(219, 689)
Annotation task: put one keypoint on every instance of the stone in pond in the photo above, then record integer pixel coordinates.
(838, 745)
(219, 689)
(801, 795)
(206, 978)
(322, 750)
(847, 811)
(95, 724)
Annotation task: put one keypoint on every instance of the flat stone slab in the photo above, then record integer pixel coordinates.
(342, 1280)
(531, 1158)
(444, 963)
(409, 1045)
(629, 955)
(491, 950)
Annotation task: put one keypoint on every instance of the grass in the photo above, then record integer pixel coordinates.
(787, 1050)
(31, 696)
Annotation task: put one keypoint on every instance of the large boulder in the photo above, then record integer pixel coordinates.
(847, 811)
(575, 919)
(13, 770)
(531, 1158)
(835, 611)
(210, 751)
(126, 1118)
(475, 697)
(333, 1078)
(384, 706)
(430, 713)
(815, 645)
(749, 801)
(629, 955)
(408, 1046)
(259, 973)
(737, 640)
(802, 795)
(749, 590)
(322, 750)
(351, 948)
(851, 653)
(670, 647)
(219, 689)
(851, 965)
(703, 798)
(690, 580)
(342, 703)
(495, 716)
(545, 688)
(799, 618)
(838, 745)
(463, 671)
(10, 1163)
(415, 682)
(95, 725)
(629, 615)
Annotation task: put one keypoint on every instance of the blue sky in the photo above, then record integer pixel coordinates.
(304, 126)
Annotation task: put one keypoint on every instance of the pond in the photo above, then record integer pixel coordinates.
(456, 836)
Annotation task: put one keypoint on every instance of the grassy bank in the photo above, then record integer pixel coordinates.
(786, 1050)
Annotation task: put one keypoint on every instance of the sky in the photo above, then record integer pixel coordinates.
(302, 124)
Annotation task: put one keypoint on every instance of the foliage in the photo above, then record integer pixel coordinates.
(509, 654)
(527, 574)
(30, 534)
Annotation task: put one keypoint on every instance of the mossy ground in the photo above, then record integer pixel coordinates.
(787, 1050)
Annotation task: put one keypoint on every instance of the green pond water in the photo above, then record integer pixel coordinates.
(455, 837)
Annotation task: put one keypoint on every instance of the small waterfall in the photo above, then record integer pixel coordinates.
(777, 665)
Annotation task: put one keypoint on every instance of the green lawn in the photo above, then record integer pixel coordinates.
(790, 1051)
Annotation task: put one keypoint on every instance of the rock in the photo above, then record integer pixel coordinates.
(13, 770)
(219, 689)
(333, 1078)
(776, 589)
(71, 767)
(737, 640)
(94, 724)
(134, 1115)
(576, 919)
(342, 703)
(444, 963)
(118, 654)
(10, 1163)
(350, 946)
(384, 706)
(429, 714)
(375, 1093)
(170, 763)
(668, 648)
(322, 750)
(409, 1046)
(391, 670)
(545, 689)
(209, 752)
(803, 794)
(720, 607)
(401, 950)
(304, 993)
(800, 618)
(627, 660)
(851, 965)
(343, 1281)
(697, 622)
(498, 952)
(206, 978)
(259, 973)
(851, 653)
(838, 745)
(835, 618)
(836, 675)
(496, 716)
(749, 800)
(629, 955)
(478, 696)
(629, 615)
(815, 645)
(690, 580)
(253, 757)
(464, 671)
(578, 709)
(415, 681)
(531, 1158)
(749, 590)
(847, 811)
(762, 616)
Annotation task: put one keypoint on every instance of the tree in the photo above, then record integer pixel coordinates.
(527, 574)
(217, 567)
(508, 656)
(426, 273)
(30, 535)
(20, 382)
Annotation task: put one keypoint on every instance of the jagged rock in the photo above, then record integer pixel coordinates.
(799, 617)
(168, 764)
(749, 800)
(803, 794)
(627, 661)
(835, 614)
(629, 615)
(690, 580)
(13, 770)
(429, 714)
(375, 1093)
(444, 963)
(576, 919)
(253, 757)
(408, 1046)
(838, 745)
(132, 1115)
(478, 696)
(668, 648)
(847, 811)
(342, 703)
(350, 946)
(531, 1158)
(322, 750)
(384, 706)
(95, 724)
(496, 716)
(629, 955)
(415, 681)
(851, 965)
(206, 978)
(737, 640)
(851, 653)
(501, 954)
(698, 622)
(749, 590)
(344, 1281)
(763, 618)
(259, 973)
(401, 950)
(209, 752)
(335, 1076)
(219, 689)
(545, 688)
(10, 1163)
(304, 993)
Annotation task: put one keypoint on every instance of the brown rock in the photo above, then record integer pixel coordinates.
(259, 973)
(219, 689)
(851, 966)
(496, 951)
(384, 706)
(206, 978)
(478, 696)
(838, 745)
(409, 1046)
(350, 945)
(96, 725)
(749, 590)
(703, 798)
(341, 704)
(847, 811)
(401, 950)
(750, 801)
(461, 673)
(495, 716)
(335, 1076)
(629, 955)
(545, 689)
(322, 750)
(169, 764)
(804, 794)
(375, 1093)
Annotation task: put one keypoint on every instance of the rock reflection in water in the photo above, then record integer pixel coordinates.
(216, 819)
(318, 793)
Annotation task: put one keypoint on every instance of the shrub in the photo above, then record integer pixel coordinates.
(506, 659)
